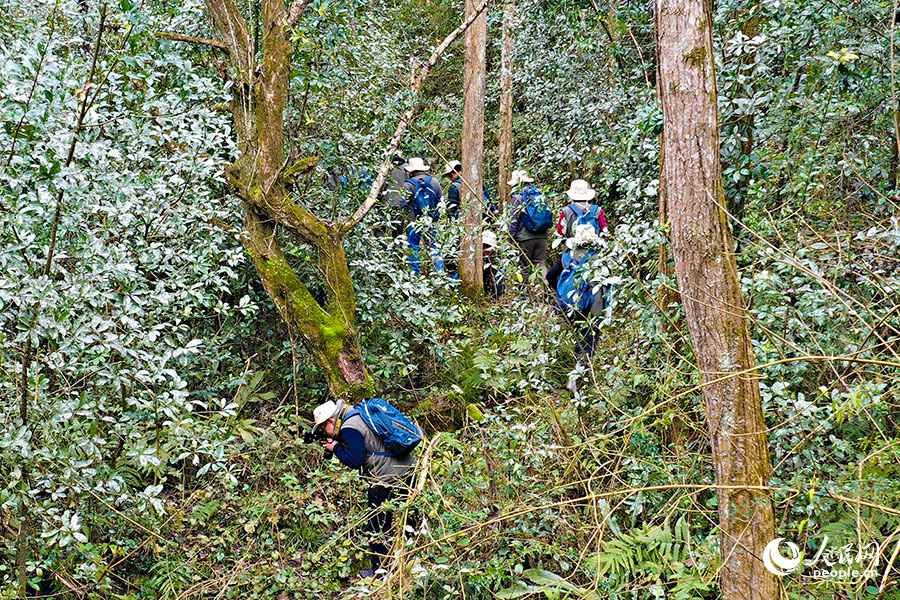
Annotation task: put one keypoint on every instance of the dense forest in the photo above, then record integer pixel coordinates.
(221, 240)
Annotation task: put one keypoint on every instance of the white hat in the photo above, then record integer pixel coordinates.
(451, 166)
(580, 191)
(416, 164)
(519, 176)
(489, 238)
(323, 412)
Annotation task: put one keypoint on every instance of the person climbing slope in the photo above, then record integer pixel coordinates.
(424, 196)
(576, 295)
(579, 211)
(380, 441)
(531, 219)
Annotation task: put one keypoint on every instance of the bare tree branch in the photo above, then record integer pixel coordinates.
(233, 27)
(190, 39)
(295, 12)
(407, 117)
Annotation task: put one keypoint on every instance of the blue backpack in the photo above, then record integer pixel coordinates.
(592, 216)
(536, 217)
(395, 430)
(572, 290)
(424, 197)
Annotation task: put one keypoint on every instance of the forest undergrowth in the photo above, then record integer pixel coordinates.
(153, 447)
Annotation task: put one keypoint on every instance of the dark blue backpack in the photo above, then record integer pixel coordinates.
(572, 290)
(424, 197)
(395, 430)
(582, 217)
(536, 216)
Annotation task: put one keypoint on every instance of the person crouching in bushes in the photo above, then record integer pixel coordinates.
(379, 440)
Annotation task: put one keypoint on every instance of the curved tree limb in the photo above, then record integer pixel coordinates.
(347, 225)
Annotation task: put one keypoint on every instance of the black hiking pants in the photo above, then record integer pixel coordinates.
(380, 522)
(533, 253)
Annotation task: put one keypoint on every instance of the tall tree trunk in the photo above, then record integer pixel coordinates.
(470, 267)
(506, 100)
(702, 246)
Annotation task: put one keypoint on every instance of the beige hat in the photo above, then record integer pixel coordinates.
(451, 166)
(519, 176)
(323, 412)
(489, 238)
(580, 191)
(416, 164)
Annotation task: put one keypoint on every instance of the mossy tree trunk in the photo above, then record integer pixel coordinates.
(702, 246)
(328, 331)
(261, 81)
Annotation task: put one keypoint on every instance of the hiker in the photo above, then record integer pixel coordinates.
(492, 278)
(453, 171)
(394, 193)
(579, 211)
(424, 196)
(531, 219)
(576, 296)
(386, 460)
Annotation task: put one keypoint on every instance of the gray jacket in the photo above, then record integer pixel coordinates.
(383, 469)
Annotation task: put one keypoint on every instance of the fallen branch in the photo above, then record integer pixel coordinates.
(190, 39)
(345, 226)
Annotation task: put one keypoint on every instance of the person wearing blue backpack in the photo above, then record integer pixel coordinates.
(531, 219)
(576, 296)
(425, 195)
(580, 211)
(379, 440)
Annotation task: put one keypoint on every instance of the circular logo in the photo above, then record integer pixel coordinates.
(778, 564)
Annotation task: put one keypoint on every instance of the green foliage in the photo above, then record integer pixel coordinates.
(160, 456)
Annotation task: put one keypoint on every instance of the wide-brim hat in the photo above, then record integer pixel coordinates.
(519, 176)
(323, 412)
(416, 164)
(580, 191)
(451, 166)
(489, 238)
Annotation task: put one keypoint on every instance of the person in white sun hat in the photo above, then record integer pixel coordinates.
(425, 194)
(453, 171)
(531, 219)
(355, 444)
(580, 211)
(492, 277)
